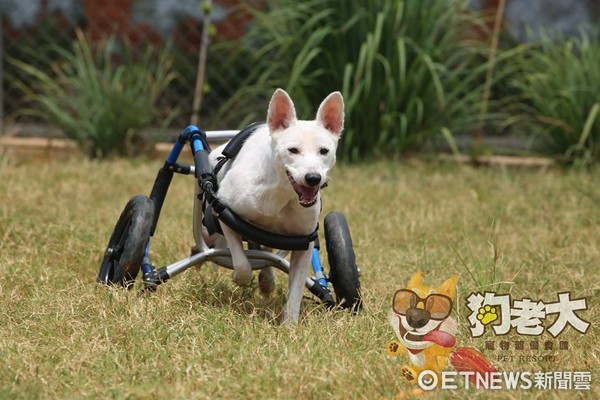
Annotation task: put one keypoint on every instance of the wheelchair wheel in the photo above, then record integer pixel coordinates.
(343, 272)
(125, 250)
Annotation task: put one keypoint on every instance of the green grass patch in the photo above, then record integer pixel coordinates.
(528, 233)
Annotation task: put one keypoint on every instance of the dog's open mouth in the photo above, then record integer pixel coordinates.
(307, 196)
(436, 336)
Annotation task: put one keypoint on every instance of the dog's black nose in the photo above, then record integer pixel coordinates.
(312, 179)
(417, 317)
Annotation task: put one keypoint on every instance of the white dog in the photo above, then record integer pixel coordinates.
(274, 184)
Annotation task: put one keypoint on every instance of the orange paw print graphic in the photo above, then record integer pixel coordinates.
(487, 314)
(393, 347)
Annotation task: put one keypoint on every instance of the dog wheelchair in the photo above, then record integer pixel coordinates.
(128, 248)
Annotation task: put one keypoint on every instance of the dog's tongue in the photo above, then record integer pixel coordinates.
(308, 193)
(441, 338)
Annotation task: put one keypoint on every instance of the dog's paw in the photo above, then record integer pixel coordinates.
(266, 282)
(393, 347)
(242, 277)
(487, 314)
(408, 373)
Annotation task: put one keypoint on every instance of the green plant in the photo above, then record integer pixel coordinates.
(44, 37)
(558, 92)
(98, 100)
(407, 69)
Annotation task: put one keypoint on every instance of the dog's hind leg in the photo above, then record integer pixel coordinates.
(266, 277)
(266, 281)
(298, 274)
(242, 270)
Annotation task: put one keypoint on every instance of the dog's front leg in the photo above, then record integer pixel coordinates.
(298, 274)
(242, 270)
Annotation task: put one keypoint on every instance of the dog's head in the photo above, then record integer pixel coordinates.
(305, 149)
(420, 315)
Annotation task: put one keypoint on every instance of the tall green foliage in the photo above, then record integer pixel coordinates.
(404, 67)
(101, 103)
(558, 94)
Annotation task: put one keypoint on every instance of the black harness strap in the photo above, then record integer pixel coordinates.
(210, 220)
(235, 145)
(231, 150)
(214, 210)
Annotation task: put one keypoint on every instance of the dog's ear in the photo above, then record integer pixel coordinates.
(331, 113)
(416, 281)
(449, 287)
(281, 112)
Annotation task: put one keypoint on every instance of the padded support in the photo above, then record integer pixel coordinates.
(265, 238)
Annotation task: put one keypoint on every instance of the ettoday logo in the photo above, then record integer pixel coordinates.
(506, 380)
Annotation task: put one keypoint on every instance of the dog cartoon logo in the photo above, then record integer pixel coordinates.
(420, 317)
(422, 321)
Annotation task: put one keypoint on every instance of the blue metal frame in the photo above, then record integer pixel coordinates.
(318, 268)
(191, 134)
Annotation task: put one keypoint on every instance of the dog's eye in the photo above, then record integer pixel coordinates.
(294, 150)
(323, 151)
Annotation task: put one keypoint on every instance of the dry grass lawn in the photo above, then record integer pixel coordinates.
(529, 233)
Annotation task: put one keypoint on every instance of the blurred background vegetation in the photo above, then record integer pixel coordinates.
(479, 76)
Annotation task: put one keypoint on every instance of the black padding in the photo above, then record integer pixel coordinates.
(211, 222)
(159, 192)
(203, 167)
(235, 144)
(265, 238)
